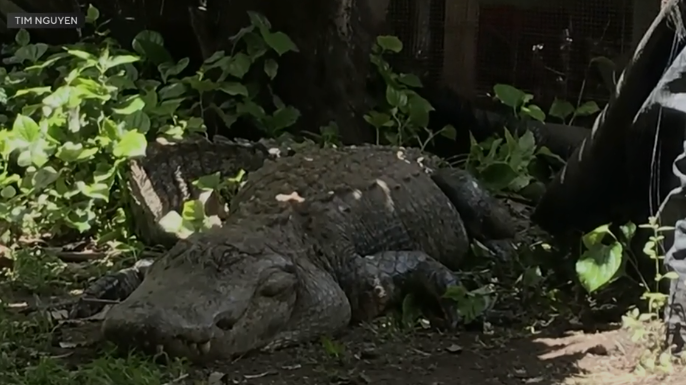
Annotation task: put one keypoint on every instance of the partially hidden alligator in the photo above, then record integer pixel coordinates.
(161, 182)
(313, 241)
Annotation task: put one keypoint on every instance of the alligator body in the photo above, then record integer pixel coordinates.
(314, 241)
(162, 181)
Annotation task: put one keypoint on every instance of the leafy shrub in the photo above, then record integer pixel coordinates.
(74, 116)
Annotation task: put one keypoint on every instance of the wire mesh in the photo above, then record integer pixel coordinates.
(549, 48)
(419, 24)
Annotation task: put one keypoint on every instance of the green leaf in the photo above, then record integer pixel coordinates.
(34, 90)
(508, 95)
(389, 43)
(150, 99)
(31, 52)
(526, 146)
(233, 88)
(22, 37)
(271, 67)
(8, 192)
(587, 109)
(139, 121)
(215, 56)
(114, 61)
(410, 80)
(520, 182)
(497, 175)
(52, 59)
(92, 14)
(545, 152)
(283, 118)
(150, 45)
(132, 144)
(74, 152)
(44, 177)
(110, 130)
(533, 111)
(378, 119)
(131, 104)
(628, 230)
(395, 97)
(449, 132)
(238, 66)
(279, 42)
(596, 236)
(419, 110)
(59, 98)
(105, 172)
(251, 108)
(171, 69)
(561, 109)
(258, 20)
(82, 55)
(599, 265)
(89, 89)
(171, 91)
(26, 128)
(97, 191)
(193, 212)
(167, 107)
(208, 182)
(173, 223)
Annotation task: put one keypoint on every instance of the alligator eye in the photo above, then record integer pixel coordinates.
(278, 283)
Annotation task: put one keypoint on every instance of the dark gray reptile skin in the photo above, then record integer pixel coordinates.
(379, 221)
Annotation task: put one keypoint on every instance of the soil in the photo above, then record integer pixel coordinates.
(372, 354)
(378, 354)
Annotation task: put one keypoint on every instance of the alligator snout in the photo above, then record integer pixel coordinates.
(155, 330)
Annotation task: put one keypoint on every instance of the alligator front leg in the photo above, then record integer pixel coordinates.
(321, 309)
(115, 286)
(377, 282)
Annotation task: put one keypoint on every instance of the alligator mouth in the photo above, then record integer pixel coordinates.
(182, 348)
(178, 347)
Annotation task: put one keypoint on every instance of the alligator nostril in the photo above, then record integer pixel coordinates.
(225, 324)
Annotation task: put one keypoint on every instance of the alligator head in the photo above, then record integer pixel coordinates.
(208, 298)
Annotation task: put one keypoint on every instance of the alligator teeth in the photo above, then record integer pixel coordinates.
(205, 348)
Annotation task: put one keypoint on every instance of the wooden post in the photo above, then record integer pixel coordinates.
(459, 47)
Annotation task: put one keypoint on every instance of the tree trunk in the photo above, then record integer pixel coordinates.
(326, 80)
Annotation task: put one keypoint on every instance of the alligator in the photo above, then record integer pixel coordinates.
(305, 251)
(161, 182)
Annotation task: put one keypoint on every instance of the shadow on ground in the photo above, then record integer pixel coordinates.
(377, 354)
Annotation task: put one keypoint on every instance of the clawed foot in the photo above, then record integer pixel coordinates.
(111, 287)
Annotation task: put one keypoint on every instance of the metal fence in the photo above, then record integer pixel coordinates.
(552, 48)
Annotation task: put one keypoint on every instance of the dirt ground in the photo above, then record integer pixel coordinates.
(380, 354)
(373, 354)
